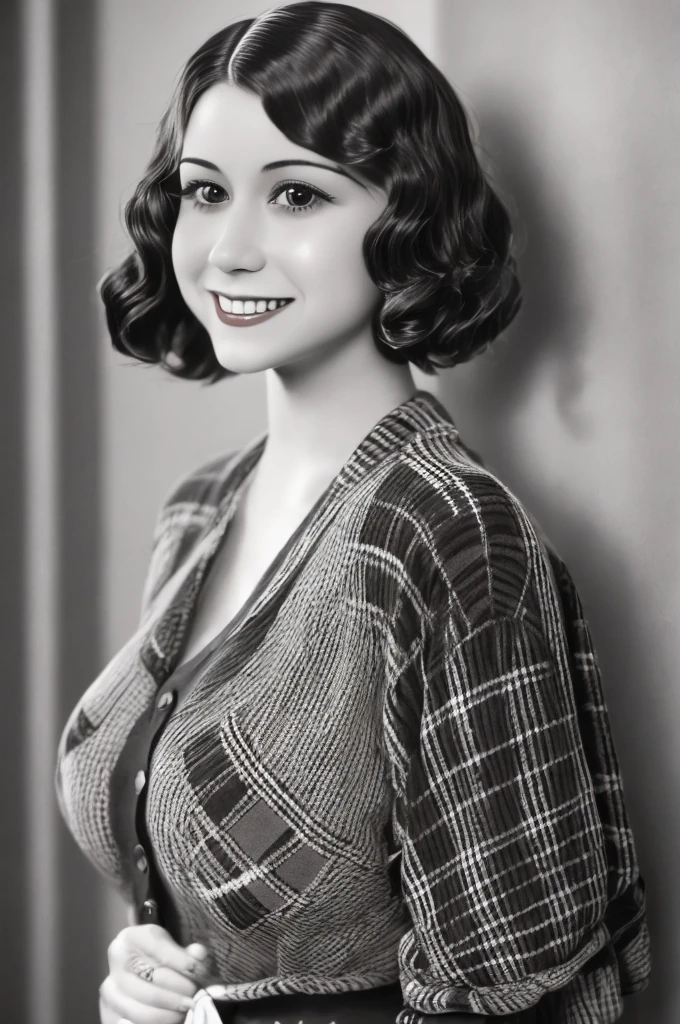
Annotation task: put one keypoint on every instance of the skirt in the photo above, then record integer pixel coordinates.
(368, 1006)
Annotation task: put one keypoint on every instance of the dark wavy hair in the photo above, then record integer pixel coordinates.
(354, 88)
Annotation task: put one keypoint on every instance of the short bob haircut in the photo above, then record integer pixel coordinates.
(355, 89)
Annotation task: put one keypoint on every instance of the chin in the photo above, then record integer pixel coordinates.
(248, 353)
(241, 365)
(241, 358)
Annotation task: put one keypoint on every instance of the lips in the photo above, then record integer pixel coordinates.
(245, 319)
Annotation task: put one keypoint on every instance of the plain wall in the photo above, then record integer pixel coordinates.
(576, 106)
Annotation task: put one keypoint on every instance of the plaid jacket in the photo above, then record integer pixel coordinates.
(396, 763)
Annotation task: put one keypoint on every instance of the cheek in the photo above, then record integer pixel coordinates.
(331, 264)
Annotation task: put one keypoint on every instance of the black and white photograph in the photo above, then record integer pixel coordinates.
(340, 540)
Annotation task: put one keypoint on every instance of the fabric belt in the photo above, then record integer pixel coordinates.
(372, 1006)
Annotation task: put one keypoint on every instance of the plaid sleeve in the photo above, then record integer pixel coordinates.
(503, 866)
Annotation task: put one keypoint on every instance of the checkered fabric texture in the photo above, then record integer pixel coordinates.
(398, 763)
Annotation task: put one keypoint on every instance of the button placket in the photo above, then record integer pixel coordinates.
(149, 911)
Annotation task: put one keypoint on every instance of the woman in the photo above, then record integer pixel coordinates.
(357, 752)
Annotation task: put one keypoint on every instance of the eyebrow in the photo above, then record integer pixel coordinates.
(273, 166)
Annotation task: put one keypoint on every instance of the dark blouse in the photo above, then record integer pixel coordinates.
(147, 891)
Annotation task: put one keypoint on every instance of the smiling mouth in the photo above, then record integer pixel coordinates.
(243, 319)
(249, 306)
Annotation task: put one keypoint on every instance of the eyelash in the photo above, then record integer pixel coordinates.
(192, 187)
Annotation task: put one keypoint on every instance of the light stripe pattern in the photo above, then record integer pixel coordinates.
(397, 764)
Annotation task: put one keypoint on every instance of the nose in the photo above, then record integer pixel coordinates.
(237, 247)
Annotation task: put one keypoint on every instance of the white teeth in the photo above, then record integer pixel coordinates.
(248, 306)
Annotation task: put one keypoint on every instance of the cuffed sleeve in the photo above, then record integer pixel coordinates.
(503, 865)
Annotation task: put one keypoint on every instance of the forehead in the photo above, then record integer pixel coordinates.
(228, 120)
(228, 127)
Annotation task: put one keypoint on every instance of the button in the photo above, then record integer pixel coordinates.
(150, 912)
(140, 779)
(140, 858)
(165, 699)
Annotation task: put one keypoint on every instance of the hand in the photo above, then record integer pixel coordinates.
(177, 976)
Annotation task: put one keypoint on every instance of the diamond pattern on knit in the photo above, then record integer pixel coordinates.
(249, 858)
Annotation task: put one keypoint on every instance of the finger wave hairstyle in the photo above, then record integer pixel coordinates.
(354, 88)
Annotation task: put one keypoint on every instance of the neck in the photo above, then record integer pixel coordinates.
(317, 417)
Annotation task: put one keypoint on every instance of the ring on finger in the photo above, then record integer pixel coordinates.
(142, 968)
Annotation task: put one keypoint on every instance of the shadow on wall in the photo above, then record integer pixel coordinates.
(554, 315)
(550, 329)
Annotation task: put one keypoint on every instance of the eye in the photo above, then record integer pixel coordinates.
(298, 195)
(202, 188)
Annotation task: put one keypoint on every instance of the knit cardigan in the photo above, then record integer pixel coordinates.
(396, 764)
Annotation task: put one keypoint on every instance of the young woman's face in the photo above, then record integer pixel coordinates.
(248, 232)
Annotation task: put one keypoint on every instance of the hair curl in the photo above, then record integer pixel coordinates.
(354, 88)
